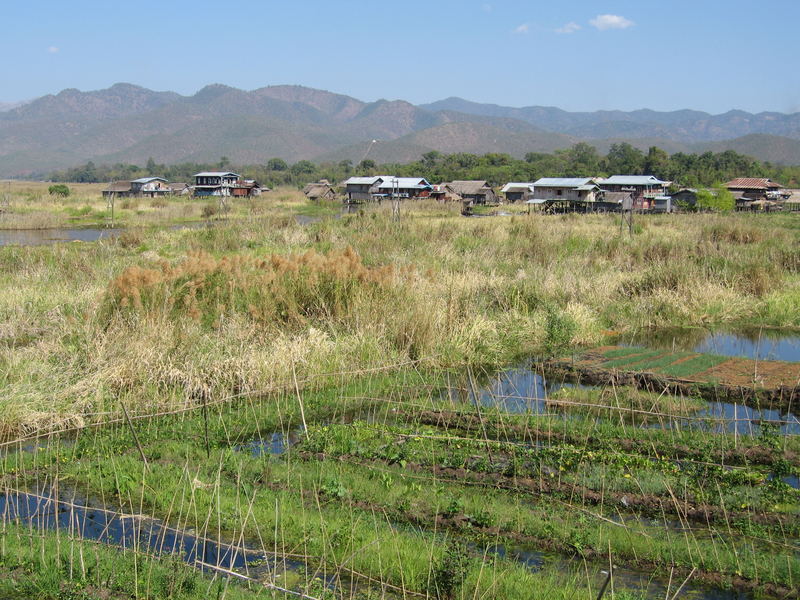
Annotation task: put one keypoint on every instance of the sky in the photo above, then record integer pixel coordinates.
(711, 55)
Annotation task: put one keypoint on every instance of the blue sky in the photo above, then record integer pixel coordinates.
(711, 55)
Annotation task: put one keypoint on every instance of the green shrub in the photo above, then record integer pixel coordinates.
(59, 189)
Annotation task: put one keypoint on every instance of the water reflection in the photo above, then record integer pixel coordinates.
(760, 344)
(43, 237)
(522, 390)
(45, 509)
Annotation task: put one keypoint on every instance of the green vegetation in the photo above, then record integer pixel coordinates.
(582, 159)
(360, 342)
(58, 189)
(46, 567)
(419, 507)
(720, 199)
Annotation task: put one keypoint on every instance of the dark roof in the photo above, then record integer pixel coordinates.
(752, 183)
(469, 188)
(315, 190)
(119, 186)
(617, 197)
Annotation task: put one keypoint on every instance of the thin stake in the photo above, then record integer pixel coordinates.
(685, 581)
(133, 432)
(605, 583)
(480, 414)
(205, 422)
(299, 400)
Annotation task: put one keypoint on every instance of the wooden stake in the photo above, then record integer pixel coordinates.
(205, 422)
(133, 432)
(299, 400)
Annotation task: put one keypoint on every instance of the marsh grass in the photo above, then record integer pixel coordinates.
(354, 326)
(486, 305)
(343, 516)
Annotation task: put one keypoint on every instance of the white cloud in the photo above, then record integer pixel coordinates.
(603, 22)
(570, 27)
(522, 28)
(53, 49)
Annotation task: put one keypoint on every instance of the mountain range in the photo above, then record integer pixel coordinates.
(128, 123)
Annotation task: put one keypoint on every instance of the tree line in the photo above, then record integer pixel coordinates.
(581, 160)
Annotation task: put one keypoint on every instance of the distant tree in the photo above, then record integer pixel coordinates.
(497, 159)
(303, 167)
(624, 159)
(582, 159)
(461, 160)
(85, 174)
(59, 189)
(224, 162)
(366, 165)
(346, 166)
(151, 166)
(277, 164)
(429, 159)
(657, 163)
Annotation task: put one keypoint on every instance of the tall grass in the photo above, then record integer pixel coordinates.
(209, 308)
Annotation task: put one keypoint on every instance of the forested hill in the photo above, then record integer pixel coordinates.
(130, 124)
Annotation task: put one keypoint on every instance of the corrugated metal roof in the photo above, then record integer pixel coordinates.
(216, 174)
(562, 181)
(631, 180)
(514, 185)
(148, 180)
(364, 180)
(404, 182)
(752, 183)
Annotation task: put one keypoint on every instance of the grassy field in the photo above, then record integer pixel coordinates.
(28, 205)
(288, 317)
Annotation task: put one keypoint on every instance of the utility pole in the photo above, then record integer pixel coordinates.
(110, 203)
(627, 215)
(395, 199)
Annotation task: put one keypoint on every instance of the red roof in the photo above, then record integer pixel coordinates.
(752, 183)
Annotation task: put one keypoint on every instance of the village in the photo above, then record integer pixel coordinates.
(549, 195)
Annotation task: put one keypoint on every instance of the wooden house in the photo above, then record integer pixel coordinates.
(322, 190)
(476, 192)
(215, 183)
(517, 192)
(441, 193)
(179, 189)
(749, 189)
(150, 187)
(247, 187)
(403, 187)
(118, 189)
(685, 197)
(364, 189)
(572, 189)
(361, 189)
(644, 188)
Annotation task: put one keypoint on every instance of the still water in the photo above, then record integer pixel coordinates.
(760, 344)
